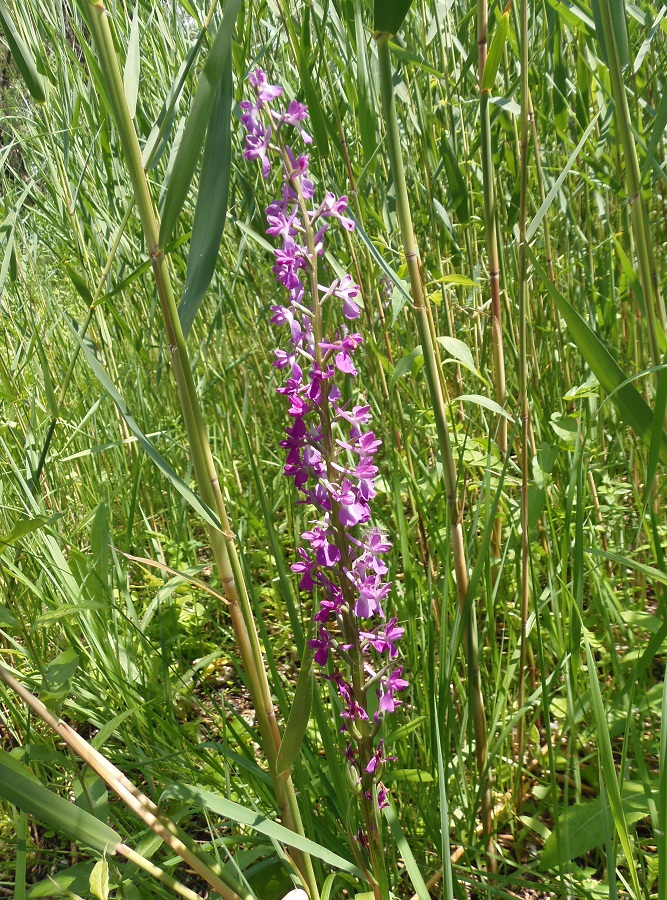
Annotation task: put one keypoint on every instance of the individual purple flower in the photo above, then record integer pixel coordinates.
(321, 646)
(389, 687)
(384, 640)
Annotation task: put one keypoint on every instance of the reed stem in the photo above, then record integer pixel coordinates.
(434, 382)
(221, 540)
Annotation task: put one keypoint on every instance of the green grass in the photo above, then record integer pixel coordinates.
(159, 687)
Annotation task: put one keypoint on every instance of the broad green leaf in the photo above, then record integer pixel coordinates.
(263, 825)
(486, 402)
(458, 350)
(20, 529)
(92, 795)
(404, 365)
(496, 50)
(299, 716)
(7, 618)
(19, 787)
(212, 196)
(631, 406)
(454, 278)
(99, 880)
(197, 123)
(132, 71)
(388, 15)
(56, 683)
(76, 880)
(582, 825)
(23, 56)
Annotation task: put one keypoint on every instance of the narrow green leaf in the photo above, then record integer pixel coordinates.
(99, 544)
(406, 853)
(657, 134)
(23, 56)
(496, 49)
(458, 188)
(657, 431)
(79, 284)
(212, 197)
(195, 128)
(299, 716)
(51, 401)
(661, 834)
(367, 115)
(388, 15)
(250, 817)
(609, 768)
(186, 492)
(19, 787)
(620, 30)
(132, 71)
(548, 200)
(630, 404)
(627, 562)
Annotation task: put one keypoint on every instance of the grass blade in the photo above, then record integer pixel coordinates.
(212, 197)
(263, 825)
(23, 56)
(19, 787)
(197, 123)
(630, 404)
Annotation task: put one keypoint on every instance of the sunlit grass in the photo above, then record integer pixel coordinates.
(159, 679)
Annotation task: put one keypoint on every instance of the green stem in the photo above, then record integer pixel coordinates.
(526, 111)
(491, 233)
(411, 252)
(647, 273)
(222, 541)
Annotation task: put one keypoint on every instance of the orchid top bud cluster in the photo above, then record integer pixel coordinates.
(329, 453)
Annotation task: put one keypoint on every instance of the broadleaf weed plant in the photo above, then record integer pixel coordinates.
(331, 459)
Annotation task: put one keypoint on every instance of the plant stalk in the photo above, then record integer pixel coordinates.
(526, 113)
(222, 541)
(655, 309)
(138, 802)
(411, 252)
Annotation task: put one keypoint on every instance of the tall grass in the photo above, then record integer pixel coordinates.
(530, 753)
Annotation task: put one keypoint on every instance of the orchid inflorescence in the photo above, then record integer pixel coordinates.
(329, 455)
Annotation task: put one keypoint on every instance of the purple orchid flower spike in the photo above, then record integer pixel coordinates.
(329, 453)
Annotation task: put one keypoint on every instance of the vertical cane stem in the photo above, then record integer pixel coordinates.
(434, 382)
(222, 540)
